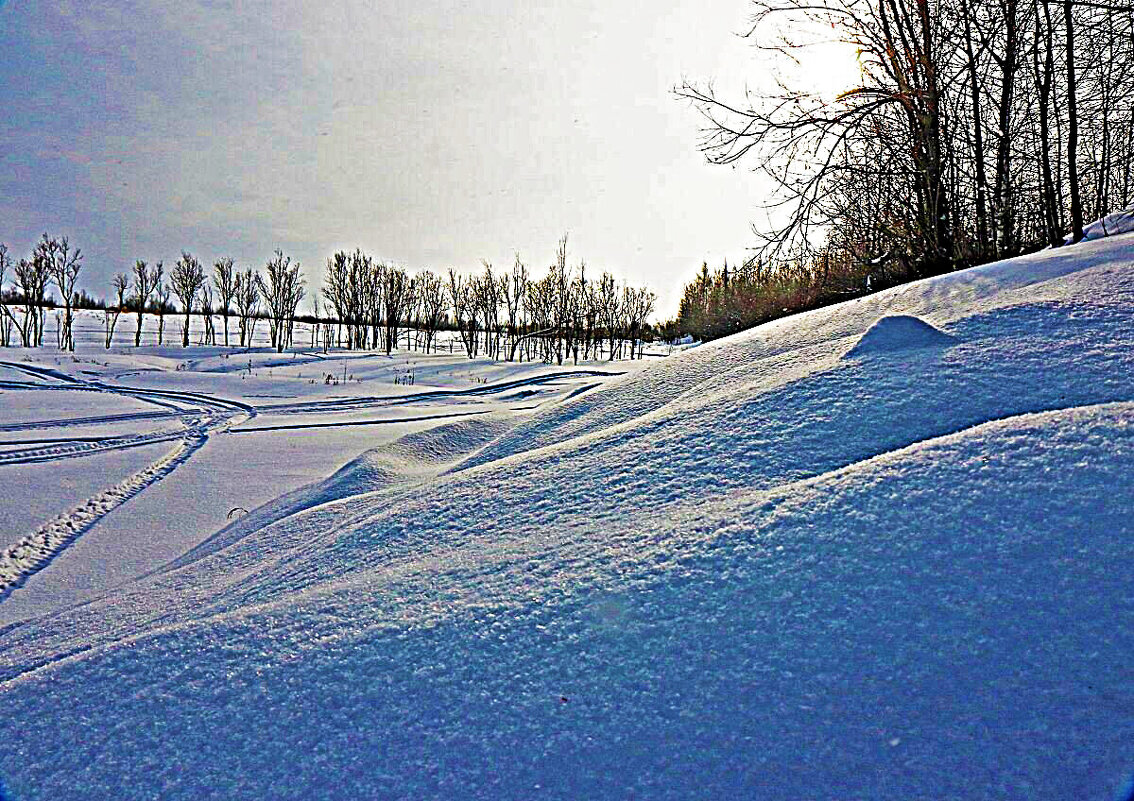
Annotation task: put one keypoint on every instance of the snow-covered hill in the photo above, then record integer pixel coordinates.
(877, 551)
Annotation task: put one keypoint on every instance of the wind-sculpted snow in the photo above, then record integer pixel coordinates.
(322, 425)
(410, 458)
(756, 570)
(802, 343)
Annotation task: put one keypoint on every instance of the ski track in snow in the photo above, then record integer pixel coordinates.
(201, 415)
(348, 404)
(36, 551)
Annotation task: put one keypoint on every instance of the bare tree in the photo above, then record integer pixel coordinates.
(432, 296)
(209, 334)
(1072, 125)
(373, 303)
(62, 265)
(486, 295)
(353, 291)
(187, 279)
(608, 308)
(1043, 65)
(120, 284)
(224, 279)
(283, 290)
(462, 300)
(32, 278)
(246, 292)
(959, 140)
(397, 297)
(335, 289)
(146, 282)
(7, 319)
(560, 288)
(316, 321)
(515, 291)
(637, 306)
(371, 290)
(579, 295)
(161, 302)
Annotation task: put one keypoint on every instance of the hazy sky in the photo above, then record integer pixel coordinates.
(432, 133)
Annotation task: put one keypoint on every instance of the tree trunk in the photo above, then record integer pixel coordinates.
(978, 138)
(1008, 69)
(1044, 78)
(1072, 128)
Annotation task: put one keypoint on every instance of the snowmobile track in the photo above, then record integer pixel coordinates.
(351, 423)
(36, 551)
(201, 415)
(347, 404)
(88, 421)
(67, 449)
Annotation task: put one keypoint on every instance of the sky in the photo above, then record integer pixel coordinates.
(430, 133)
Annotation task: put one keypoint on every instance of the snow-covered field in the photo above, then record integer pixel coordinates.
(876, 551)
(112, 463)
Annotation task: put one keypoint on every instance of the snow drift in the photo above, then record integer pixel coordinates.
(1118, 222)
(756, 570)
(898, 332)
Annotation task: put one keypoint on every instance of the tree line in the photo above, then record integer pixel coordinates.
(730, 299)
(53, 263)
(976, 130)
(273, 294)
(503, 314)
(364, 303)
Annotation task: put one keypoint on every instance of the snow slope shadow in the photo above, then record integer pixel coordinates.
(838, 412)
(788, 344)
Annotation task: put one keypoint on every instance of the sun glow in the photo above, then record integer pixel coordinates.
(826, 69)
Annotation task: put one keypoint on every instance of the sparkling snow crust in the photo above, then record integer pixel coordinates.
(770, 567)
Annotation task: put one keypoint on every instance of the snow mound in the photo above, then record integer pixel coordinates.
(795, 346)
(1119, 222)
(756, 570)
(899, 332)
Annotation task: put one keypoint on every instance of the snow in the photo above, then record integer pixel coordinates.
(43, 407)
(898, 332)
(1118, 222)
(756, 569)
(235, 437)
(38, 492)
